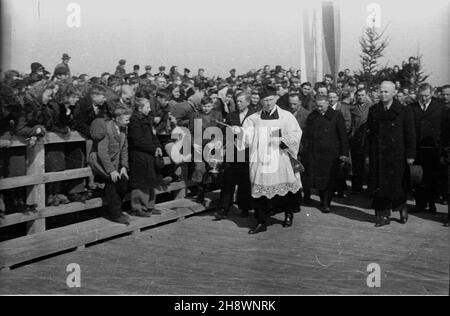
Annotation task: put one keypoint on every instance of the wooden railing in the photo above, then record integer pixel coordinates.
(36, 178)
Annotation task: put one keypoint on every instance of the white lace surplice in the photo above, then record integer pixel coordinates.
(271, 172)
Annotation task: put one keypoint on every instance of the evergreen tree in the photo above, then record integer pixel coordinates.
(372, 48)
(418, 75)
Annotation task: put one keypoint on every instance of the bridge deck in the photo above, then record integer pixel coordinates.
(319, 254)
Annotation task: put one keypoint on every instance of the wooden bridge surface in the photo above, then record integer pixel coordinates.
(319, 254)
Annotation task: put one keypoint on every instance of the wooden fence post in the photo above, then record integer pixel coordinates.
(36, 194)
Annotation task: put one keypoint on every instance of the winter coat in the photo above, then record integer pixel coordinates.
(391, 139)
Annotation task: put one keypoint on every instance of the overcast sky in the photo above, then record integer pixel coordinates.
(216, 35)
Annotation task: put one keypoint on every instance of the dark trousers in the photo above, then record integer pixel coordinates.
(142, 199)
(428, 191)
(341, 184)
(264, 204)
(386, 205)
(236, 174)
(326, 197)
(75, 158)
(114, 194)
(358, 176)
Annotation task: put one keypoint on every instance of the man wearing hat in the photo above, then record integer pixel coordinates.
(148, 74)
(391, 138)
(162, 73)
(232, 80)
(200, 78)
(37, 72)
(120, 69)
(186, 76)
(61, 75)
(65, 63)
(136, 69)
(273, 137)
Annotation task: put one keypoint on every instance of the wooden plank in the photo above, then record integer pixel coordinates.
(16, 182)
(50, 138)
(72, 236)
(44, 212)
(16, 218)
(53, 138)
(36, 194)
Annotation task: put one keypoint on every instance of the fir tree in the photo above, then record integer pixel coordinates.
(372, 47)
(418, 75)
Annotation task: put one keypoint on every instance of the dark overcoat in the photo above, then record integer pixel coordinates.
(391, 139)
(142, 144)
(429, 126)
(358, 128)
(445, 146)
(324, 141)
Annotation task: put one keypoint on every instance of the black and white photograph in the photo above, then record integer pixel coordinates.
(224, 155)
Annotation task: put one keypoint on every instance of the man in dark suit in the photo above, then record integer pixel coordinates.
(429, 115)
(307, 96)
(391, 140)
(445, 156)
(358, 137)
(326, 147)
(147, 74)
(336, 105)
(301, 114)
(236, 171)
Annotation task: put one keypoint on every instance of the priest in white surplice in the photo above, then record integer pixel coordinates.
(273, 136)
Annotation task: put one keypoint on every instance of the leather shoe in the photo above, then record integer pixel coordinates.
(220, 214)
(200, 198)
(404, 215)
(140, 213)
(378, 220)
(258, 229)
(432, 208)
(326, 209)
(122, 219)
(288, 220)
(155, 211)
(385, 221)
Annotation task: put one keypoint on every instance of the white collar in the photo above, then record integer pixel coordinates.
(273, 110)
(426, 105)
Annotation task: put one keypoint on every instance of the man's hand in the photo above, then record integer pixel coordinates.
(344, 159)
(32, 141)
(157, 119)
(409, 161)
(124, 173)
(114, 176)
(158, 152)
(235, 129)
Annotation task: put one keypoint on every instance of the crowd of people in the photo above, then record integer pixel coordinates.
(322, 135)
